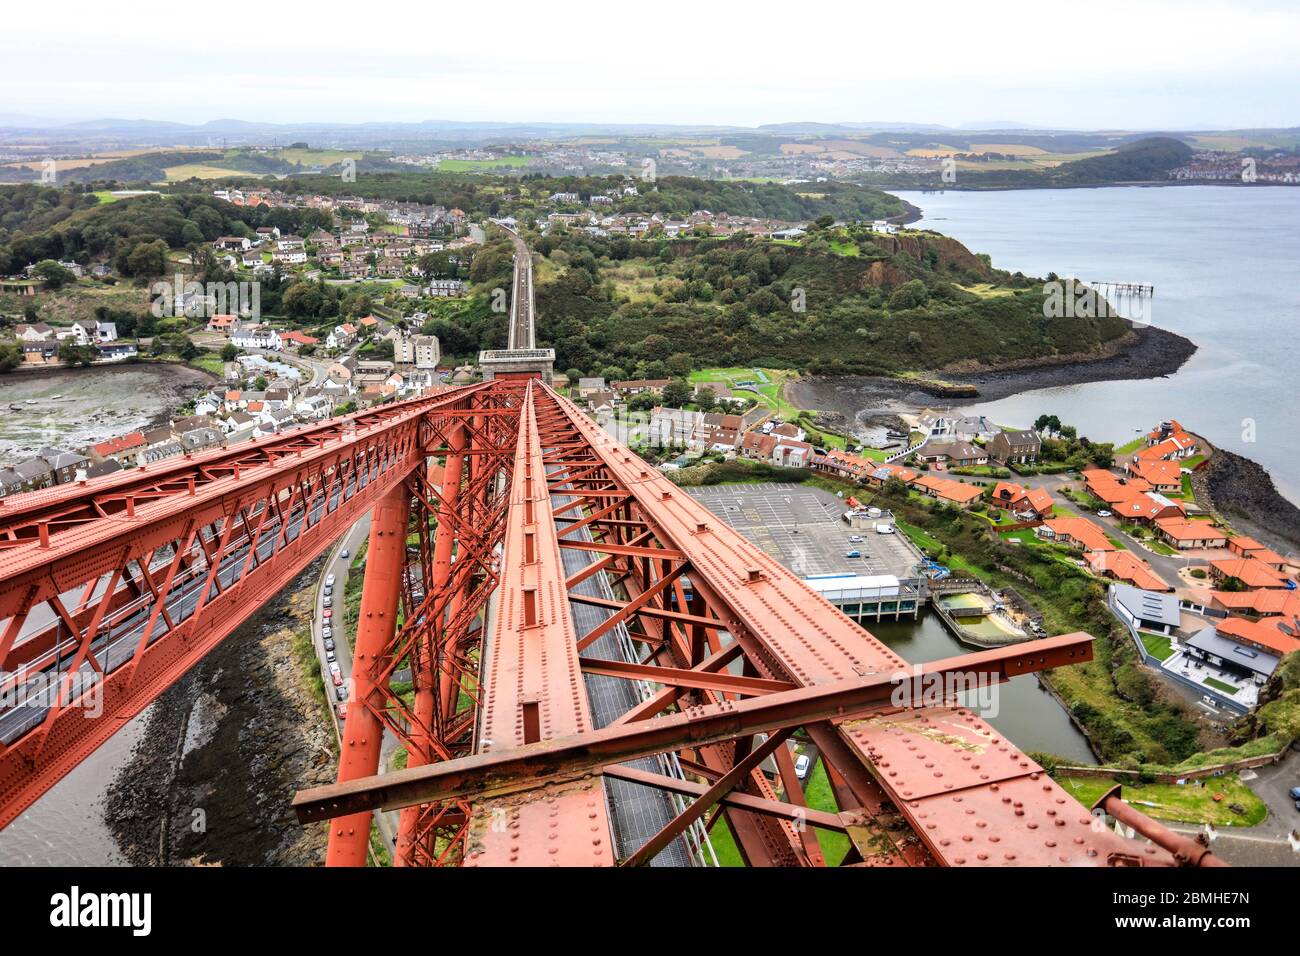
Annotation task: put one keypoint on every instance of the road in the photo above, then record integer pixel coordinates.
(341, 632)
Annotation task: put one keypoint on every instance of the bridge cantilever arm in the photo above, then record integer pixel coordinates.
(564, 758)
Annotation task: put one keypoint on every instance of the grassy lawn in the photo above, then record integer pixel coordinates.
(1129, 447)
(817, 792)
(209, 362)
(1219, 686)
(1158, 645)
(1192, 803)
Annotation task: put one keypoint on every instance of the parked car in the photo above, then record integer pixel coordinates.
(335, 669)
(1103, 513)
(1295, 793)
(328, 601)
(329, 613)
(329, 643)
(338, 680)
(329, 655)
(855, 538)
(802, 763)
(884, 529)
(344, 553)
(341, 692)
(329, 581)
(328, 590)
(855, 553)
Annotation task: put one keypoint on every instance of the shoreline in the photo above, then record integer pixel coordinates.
(235, 738)
(1150, 352)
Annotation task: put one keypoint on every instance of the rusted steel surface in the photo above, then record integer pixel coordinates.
(533, 688)
(530, 763)
(1186, 851)
(134, 578)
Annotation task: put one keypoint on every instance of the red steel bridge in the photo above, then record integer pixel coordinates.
(600, 669)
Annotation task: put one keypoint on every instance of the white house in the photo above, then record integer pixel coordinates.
(256, 337)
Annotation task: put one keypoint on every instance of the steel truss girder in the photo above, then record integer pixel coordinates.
(739, 597)
(196, 549)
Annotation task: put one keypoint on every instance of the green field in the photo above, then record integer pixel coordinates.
(1191, 803)
(202, 171)
(474, 165)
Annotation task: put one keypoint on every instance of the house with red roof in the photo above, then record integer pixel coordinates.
(296, 340)
(1253, 574)
(1020, 500)
(1075, 532)
(1161, 475)
(1248, 547)
(1127, 567)
(1187, 535)
(121, 449)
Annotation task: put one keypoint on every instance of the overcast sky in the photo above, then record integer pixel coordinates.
(1093, 64)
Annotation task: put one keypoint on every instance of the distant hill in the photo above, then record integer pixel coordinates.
(1145, 160)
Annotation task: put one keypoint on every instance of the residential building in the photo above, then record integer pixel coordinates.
(1187, 535)
(1015, 447)
(956, 454)
(1146, 610)
(1251, 573)
(1075, 532)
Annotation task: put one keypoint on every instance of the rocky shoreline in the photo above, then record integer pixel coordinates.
(1243, 492)
(226, 749)
(1148, 352)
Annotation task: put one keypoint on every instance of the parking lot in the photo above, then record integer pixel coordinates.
(803, 529)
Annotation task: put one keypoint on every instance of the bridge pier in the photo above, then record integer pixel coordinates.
(363, 731)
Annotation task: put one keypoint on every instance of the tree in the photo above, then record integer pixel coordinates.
(704, 399)
(302, 300)
(259, 383)
(229, 353)
(70, 353)
(909, 295)
(676, 393)
(11, 356)
(145, 259)
(55, 275)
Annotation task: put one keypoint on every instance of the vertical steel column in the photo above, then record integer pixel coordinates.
(426, 693)
(363, 731)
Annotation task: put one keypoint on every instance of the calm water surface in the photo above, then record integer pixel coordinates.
(1225, 263)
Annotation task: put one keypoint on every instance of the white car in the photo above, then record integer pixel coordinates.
(329, 581)
(1103, 513)
(334, 668)
(801, 766)
(884, 529)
